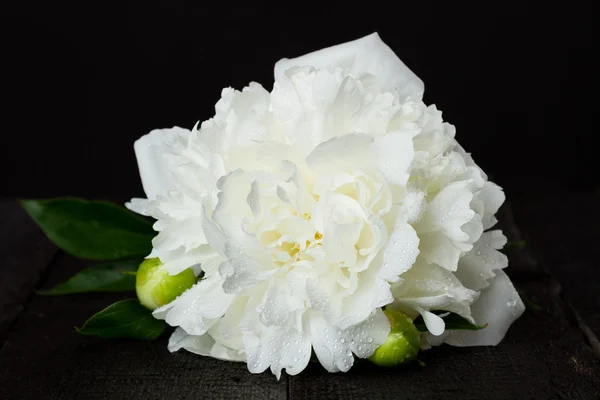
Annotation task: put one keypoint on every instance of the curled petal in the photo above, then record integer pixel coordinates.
(492, 197)
(203, 345)
(334, 347)
(478, 266)
(150, 150)
(499, 306)
(275, 347)
(436, 248)
(198, 308)
(400, 253)
(367, 55)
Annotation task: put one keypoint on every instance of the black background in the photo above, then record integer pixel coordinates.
(81, 81)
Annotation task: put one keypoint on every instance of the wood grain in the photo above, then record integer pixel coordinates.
(25, 254)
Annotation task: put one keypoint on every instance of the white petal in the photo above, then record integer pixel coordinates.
(334, 347)
(339, 241)
(394, 153)
(242, 272)
(276, 347)
(400, 252)
(179, 233)
(367, 297)
(232, 208)
(365, 55)
(198, 308)
(498, 306)
(350, 148)
(478, 266)
(276, 306)
(493, 197)
(138, 206)
(203, 345)
(227, 331)
(431, 287)
(179, 260)
(449, 211)
(468, 159)
(436, 248)
(413, 206)
(149, 151)
(295, 356)
(435, 324)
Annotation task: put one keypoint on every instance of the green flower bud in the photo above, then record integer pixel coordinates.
(155, 287)
(402, 344)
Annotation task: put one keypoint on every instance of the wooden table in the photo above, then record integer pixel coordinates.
(547, 354)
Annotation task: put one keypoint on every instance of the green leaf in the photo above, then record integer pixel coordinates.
(95, 230)
(117, 276)
(126, 319)
(453, 322)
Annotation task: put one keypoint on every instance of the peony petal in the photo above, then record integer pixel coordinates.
(232, 208)
(149, 151)
(294, 355)
(399, 253)
(198, 308)
(275, 347)
(138, 206)
(334, 347)
(393, 154)
(276, 305)
(498, 306)
(449, 211)
(493, 197)
(203, 345)
(435, 324)
(431, 287)
(477, 266)
(174, 234)
(178, 260)
(367, 55)
(350, 148)
(436, 248)
(227, 331)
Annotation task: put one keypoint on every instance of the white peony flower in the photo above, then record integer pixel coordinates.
(311, 207)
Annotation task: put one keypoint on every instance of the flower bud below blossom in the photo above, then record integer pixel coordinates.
(402, 344)
(155, 287)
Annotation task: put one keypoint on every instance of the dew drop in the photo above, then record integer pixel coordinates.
(342, 340)
(370, 339)
(295, 359)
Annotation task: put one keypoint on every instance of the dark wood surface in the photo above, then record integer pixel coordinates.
(546, 354)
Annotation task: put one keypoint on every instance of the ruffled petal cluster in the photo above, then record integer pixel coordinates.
(307, 209)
